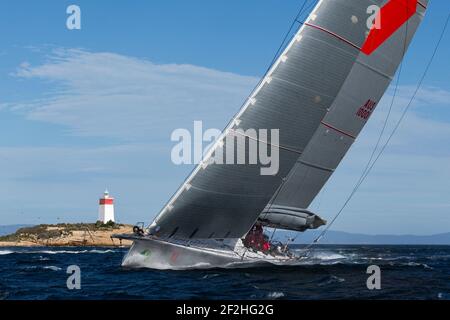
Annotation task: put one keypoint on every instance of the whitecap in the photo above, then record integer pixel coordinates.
(69, 251)
(58, 251)
(54, 268)
(326, 258)
(210, 276)
(332, 256)
(336, 278)
(415, 264)
(101, 251)
(5, 252)
(275, 295)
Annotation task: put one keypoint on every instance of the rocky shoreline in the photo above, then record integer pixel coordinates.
(68, 235)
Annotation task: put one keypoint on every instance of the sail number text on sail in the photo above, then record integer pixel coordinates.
(366, 110)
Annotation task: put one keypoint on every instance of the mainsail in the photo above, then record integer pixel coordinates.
(319, 94)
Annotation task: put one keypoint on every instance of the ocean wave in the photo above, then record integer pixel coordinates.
(101, 251)
(443, 296)
(5, 252)
(326, 256)
(330, 280)
(439, 257)
(416, 264)
(4, 295)
(275, 295)
(411, 264)
(54, 268)
(320, 255)
(327, 273)
(210, 276)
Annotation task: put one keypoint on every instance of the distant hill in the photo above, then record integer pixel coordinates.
(340, 237)
(4, 230)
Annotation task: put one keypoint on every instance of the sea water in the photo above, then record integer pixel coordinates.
(331, 272)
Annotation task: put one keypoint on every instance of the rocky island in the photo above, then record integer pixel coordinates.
(64, 234)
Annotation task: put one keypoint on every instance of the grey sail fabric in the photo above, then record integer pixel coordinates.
(287, 218)
(309, 83)
(357, 99)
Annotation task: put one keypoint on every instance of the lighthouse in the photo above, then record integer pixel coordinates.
(106, 208)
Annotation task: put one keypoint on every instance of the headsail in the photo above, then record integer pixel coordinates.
(357, 99)
(319, 94)
(288, 218)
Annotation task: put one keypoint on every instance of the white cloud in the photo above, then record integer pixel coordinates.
(110, 95)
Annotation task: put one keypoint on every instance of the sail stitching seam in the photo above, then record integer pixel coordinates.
(333, 34)
(421, 4)
(338, 130)
(312, 165)
(302, 87)
(228, 193)
(266, 142)
(374, 70)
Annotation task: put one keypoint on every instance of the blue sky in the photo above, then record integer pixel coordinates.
(93, 108)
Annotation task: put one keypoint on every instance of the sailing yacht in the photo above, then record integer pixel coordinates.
(319, 94)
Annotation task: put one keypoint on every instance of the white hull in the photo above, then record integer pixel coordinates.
(163, 255)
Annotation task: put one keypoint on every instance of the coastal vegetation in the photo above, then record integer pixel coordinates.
(67, 234)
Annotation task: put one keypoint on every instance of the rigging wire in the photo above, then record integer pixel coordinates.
(286, 37)
(397, 125)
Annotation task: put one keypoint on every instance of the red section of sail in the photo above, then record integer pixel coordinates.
(106, 201)
(391, 17)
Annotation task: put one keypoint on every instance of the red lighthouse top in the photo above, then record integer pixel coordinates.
(106, 199)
